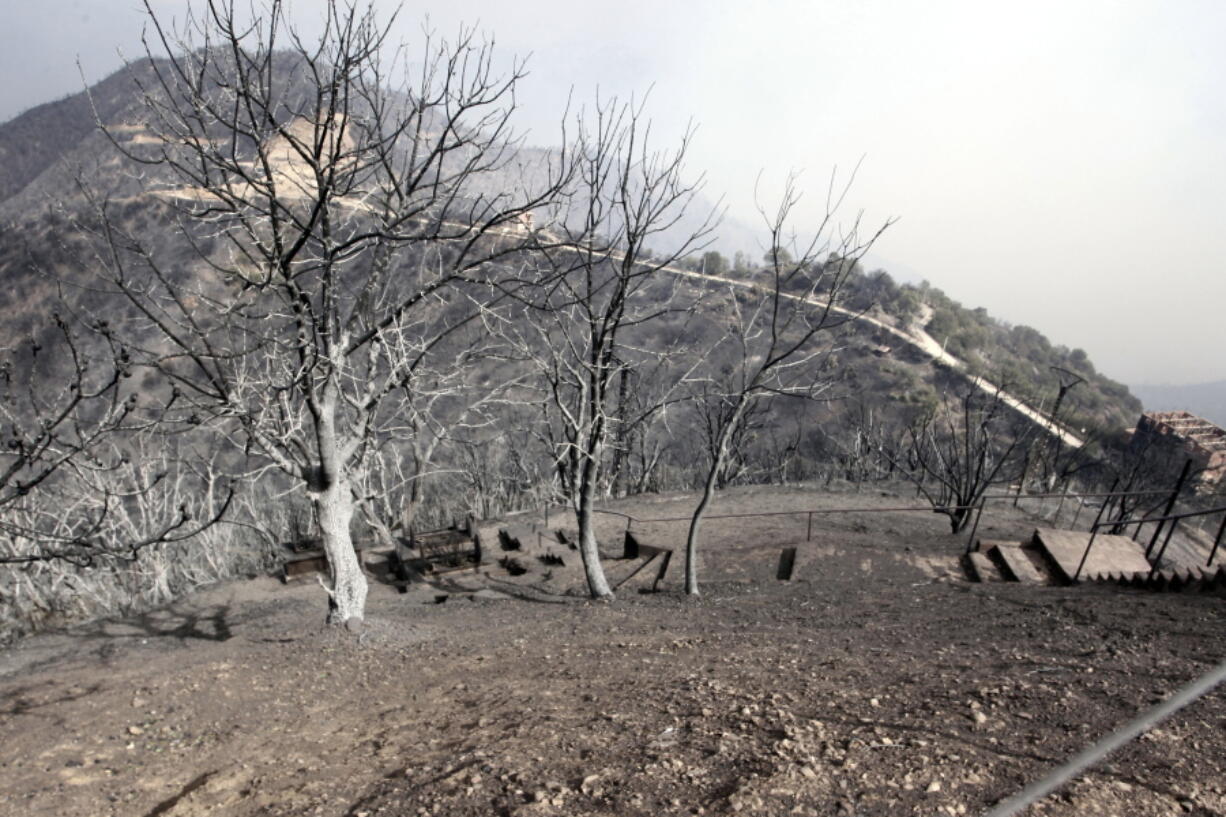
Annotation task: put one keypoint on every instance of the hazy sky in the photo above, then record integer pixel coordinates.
(1060, 163)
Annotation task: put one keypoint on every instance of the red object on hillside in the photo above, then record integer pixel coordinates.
(1202, 440)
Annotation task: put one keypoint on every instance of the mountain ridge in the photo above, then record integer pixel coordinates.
(48, 176)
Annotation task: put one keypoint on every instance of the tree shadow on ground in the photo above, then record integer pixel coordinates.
(452, 584)
(23, 699)
(463, 582)
(522, 593)
(179, 622)
(168, 804)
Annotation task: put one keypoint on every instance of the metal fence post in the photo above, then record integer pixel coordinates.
(809, 529)
(1170, 506)
(1217, 540)
(1055, 520)
(1086, 554)
(1093, 535)
(1162, 551)
(1021, 482)
(1153, 540)
(970, 543)
(1093, 754)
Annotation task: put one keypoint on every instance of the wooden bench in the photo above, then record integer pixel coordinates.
(308, 562)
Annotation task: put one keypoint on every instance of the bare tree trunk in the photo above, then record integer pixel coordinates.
(780, 341)
(383, 533)
(958, 519)
(709, 486)
(333, 499)
(334, 505)
(691, 540)
(597, 583)
(409, 514)
(617, 476)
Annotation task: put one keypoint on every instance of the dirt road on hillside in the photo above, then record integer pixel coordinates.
(920, 339)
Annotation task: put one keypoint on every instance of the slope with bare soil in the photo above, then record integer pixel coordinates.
(877, 682)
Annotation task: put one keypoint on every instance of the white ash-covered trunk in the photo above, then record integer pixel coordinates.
(597, 583)
(334, 506)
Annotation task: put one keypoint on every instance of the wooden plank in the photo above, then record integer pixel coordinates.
(650, 555)
(438, 538)
(630, 546)
(304, 564)
(787, 563)
(1017, 565)
(1117, 554)
(643, 566)
(310, 562)
(981, 568)
(440, 551)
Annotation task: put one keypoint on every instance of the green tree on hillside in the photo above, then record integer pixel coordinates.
(713, 263)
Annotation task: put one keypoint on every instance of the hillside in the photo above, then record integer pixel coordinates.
(897, 351)
(1018, 357)
(876, 682)
(909, 342)
(56, 143)
(38, 139)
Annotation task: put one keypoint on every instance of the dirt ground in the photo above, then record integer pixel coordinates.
(877, 682)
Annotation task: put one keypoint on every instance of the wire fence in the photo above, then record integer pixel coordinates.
(1094, 754)
(976, 507)
(1105, 501)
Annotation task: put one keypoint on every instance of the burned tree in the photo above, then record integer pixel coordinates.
(343, 228)
(962, 447)
(590, 322)
(447, 411)
(1056, 465)
(67, 428)
(780, 330)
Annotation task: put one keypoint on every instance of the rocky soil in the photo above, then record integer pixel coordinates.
(877, 682)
